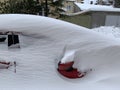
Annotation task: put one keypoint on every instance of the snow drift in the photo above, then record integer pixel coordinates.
(42, 41)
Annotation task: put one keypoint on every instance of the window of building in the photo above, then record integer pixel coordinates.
(69, 7)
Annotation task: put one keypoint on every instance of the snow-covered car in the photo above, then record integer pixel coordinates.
(44, 42)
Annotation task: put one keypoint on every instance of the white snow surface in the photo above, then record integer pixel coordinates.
(111, 31)
(43, 41)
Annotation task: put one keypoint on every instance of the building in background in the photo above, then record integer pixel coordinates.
(70, 7)
(100, 15)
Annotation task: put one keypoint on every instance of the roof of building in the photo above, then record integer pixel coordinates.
(97, 7)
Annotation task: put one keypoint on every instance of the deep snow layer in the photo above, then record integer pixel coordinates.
(42, 42)
(110, 31)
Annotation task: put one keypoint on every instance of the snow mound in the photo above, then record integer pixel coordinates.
(42, 40)
(111, 31)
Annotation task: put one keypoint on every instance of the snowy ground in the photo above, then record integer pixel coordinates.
(111, 31)
(43, 40)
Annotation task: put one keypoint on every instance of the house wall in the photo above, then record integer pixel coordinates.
(113, 20)
(97, 19)
(82, 20)
(69, 5)
(76, 8)
(105, 19)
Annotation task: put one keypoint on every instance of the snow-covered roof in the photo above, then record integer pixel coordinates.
(97, 7)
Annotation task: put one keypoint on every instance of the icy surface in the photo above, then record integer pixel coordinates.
(42, 42)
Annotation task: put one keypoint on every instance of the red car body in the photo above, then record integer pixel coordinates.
(68, 71)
